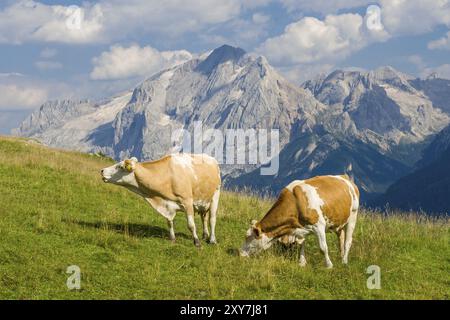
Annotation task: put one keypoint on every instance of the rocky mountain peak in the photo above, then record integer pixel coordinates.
(219, 56)
(343, 115)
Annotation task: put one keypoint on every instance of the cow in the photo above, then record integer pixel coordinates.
(316, 205)
(177, 182)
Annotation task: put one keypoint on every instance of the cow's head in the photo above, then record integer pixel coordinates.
(255, 241)
(121, 173)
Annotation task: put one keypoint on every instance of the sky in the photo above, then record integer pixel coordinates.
(61, 49)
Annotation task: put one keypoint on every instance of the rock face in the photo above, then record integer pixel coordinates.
(53, 114)
(227, 89)
(372, 125)
(427, 188)
(436, 148)
(383, 102)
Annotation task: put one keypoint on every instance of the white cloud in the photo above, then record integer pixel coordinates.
(311, 40)
(323, 6)
(20, 97)
(442, 71)
(403, 17)
(424, 70)
(48, 65)
(29, 20)
(302, 72)
(442, 43)
(108, 20)
(126, 62)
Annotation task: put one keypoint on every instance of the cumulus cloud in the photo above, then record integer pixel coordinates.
(441, 71)
(20, 91)
(403, 17)
(311, 40)
(29, 20)
(134, 61)
(300, 73)
(21, 97)
(108, 20)
(442, 43)
(424, 70)
(323, 6)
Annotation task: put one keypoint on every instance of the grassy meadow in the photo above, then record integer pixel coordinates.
(55, 211)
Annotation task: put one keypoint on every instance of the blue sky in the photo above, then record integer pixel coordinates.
(92, 49)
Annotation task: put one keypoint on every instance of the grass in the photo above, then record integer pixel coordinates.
(55, 212)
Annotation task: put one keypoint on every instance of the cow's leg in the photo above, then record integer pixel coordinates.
(302, 255)
(191, 223)
(348, 239)
(171, 230)
(213, 214)
(321, 235)
(168, 212)
(204, 215)
(341, 236)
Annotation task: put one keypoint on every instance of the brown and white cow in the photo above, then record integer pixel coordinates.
(178, 182)
(314, 205)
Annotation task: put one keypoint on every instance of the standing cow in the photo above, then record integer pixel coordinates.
(308, 206)
(178, 182)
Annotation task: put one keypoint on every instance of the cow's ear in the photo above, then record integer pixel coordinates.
(257, 231)
(129, 165)
(134, 159)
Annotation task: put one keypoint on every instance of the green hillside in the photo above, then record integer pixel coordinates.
(55, 212)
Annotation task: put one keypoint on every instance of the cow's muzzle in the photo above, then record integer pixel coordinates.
(103, 177)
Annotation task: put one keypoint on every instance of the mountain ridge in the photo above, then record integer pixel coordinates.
(383, 112)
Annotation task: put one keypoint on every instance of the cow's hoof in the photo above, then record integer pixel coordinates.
(197, 243)
(205, 237)
(173, 240)
(212, 241)
(302, 263)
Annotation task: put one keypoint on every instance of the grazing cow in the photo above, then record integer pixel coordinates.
(178, 182)
(308, 206)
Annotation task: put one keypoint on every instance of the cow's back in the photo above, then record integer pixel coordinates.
(334, 197)
(198, 172)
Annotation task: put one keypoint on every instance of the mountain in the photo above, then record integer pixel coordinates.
(312, 155)
(54, 113)
(372, 125)
(436, 148)
(428, 186)
(427, 189)
(383, 104)
(81, 125)
(225, 89)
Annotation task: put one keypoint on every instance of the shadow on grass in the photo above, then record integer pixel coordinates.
(288, 251)
(132, 229)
